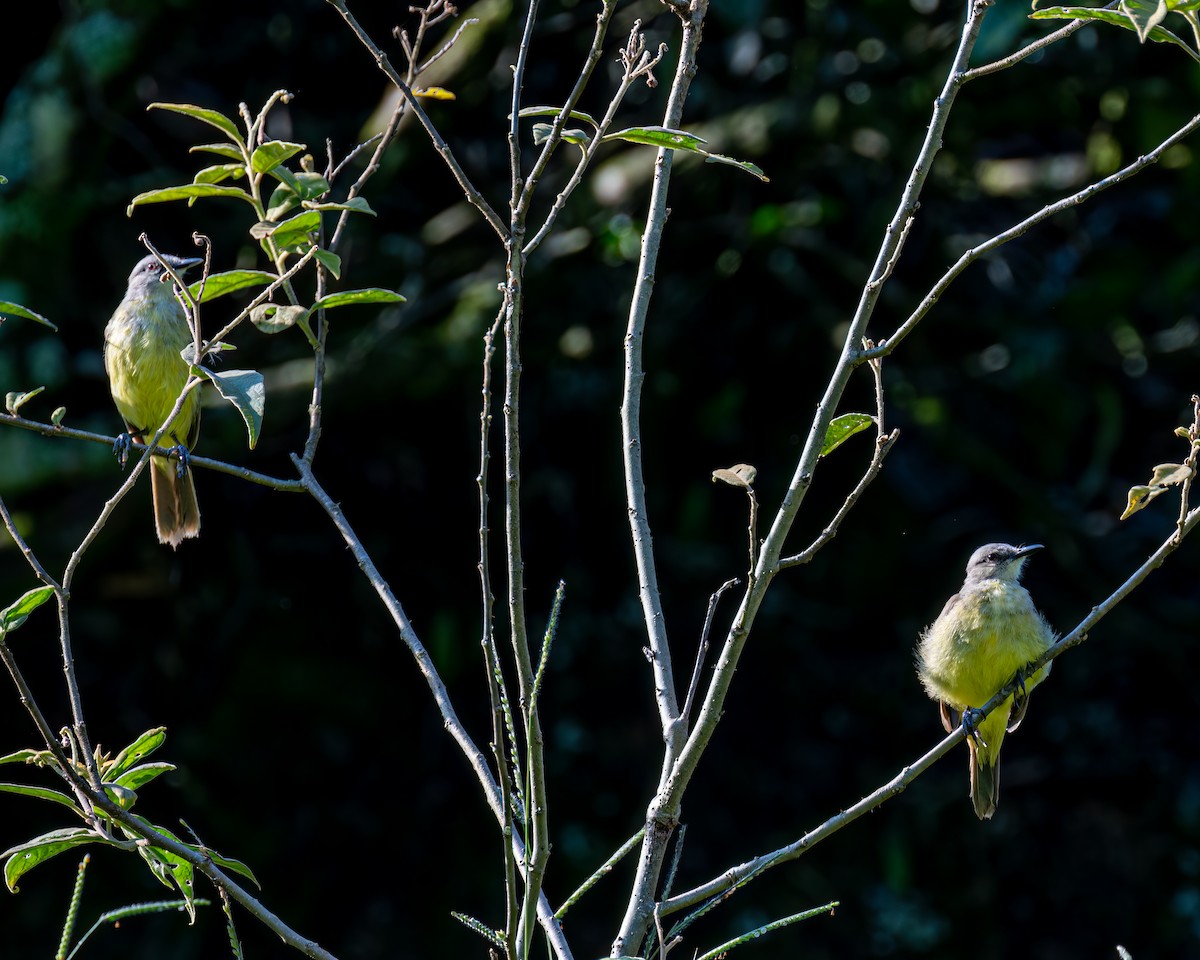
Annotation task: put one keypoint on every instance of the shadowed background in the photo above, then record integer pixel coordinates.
(1044, 384)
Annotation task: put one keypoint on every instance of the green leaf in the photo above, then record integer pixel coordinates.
(1145, 15)
(57, 416)
(366, 295)
(843, 428)
(143, 774)
(244, 389)
(123, 797)
(16, 613)
(132, 755)
(19, 311)
(682, 140)
(211, 117)
(272, 153)
(40, 793)
(220, 149)
(656, 136)
(1159, 34)
(14, 400)
(330, 261)
(751, 168)
(226, 863)
(354, 204)
(555, 111)
(222, 171)
(169, 868)
(25, 856)
(291, 233)
(23, 756)
(277, 317)
(221, 284)
(187, 192)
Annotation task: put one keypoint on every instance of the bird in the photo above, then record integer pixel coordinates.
(146, 373)
(985, 636)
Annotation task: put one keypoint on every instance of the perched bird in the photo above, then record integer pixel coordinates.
(985, 634)
(146, 374)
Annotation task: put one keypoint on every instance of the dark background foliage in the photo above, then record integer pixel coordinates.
(1045, 383)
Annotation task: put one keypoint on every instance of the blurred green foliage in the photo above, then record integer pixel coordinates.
(1044, 383)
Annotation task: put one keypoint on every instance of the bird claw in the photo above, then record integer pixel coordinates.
(184, 458)
(971, 719)
(1020, 695)
(121, 448)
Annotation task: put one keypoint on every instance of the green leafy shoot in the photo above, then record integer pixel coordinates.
(18, 612)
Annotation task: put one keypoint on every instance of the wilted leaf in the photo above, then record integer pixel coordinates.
(276, 317)
(739, 475)
(15, 400)
(244, 389)
(1167, 474)
(1139, 496)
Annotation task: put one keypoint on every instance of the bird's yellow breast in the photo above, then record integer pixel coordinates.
(145, 370)
(990, 631)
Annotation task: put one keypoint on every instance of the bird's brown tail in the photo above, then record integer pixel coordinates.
(176, 512)
(985, 783)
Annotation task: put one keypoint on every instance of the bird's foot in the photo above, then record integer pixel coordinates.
(184, 458)
(121, 447)
(1020, 695)
(971, 719)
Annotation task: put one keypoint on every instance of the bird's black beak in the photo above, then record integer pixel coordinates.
(1026, 551)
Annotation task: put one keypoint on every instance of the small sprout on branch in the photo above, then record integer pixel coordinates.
(14, 400)
(1167, 475)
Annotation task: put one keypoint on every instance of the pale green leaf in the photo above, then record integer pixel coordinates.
(16, 310)
(272, 153)
(244, 389)
(211, 117)
(188, 192)
(276, 317)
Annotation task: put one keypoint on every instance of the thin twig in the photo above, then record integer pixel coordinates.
(1012, 233)
(702, 649)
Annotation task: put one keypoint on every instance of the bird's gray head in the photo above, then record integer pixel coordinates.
(999, 561)
(147, 276)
